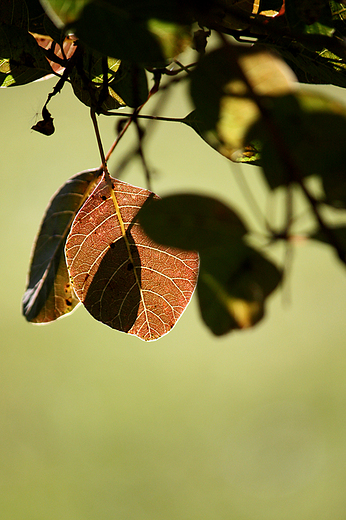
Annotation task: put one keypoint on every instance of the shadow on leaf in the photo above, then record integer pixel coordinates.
(114, 294)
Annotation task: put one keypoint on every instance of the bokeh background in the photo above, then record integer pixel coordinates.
(95, 424)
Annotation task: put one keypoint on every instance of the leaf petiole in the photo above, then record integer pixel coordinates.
(107, 177)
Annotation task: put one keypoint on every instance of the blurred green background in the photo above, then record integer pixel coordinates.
(95, 424)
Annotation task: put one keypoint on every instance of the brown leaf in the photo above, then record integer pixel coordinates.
(129, 282)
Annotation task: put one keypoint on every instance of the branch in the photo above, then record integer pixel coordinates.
(267, 28)
(152, 118)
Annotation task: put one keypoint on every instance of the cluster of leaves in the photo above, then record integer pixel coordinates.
(132, 258)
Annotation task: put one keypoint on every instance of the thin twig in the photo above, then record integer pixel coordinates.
(141, 134)
(251, 200)
(134, 115)
(142, 116)
(100, 145)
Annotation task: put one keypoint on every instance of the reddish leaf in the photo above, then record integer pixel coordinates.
(129, 282)
(47, 43)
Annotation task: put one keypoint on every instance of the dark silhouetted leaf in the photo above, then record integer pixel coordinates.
(49, 294)
(334, 185)
(46, 125)
(234, 280)
(130, 83)
(317, 67)
(224, 109)
(190, 221)
(146, 31)
(309, 17)
(87, 81)
(313, 130)
(21, 58)
(319, 55)
(127, 84)
(127, 281)
(233, 285)
(339, 232)
(14, 12)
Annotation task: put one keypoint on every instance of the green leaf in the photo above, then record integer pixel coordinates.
(320, 58)
(318, 67)
(147, 31)
(87, 80)
(130, 84)
(224, 107)
(49, 293)
(63, 12)
(250, 153)
(191, 222)
(338, 10)
(233, 285)
(309, 17)
(127, 84)
(312, 131)
(21, 58)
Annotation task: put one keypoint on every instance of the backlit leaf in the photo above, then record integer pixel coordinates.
(338, 10)
(127, 83)
(224, 109)
(320, 57)
(49, 294)
(129, 282)
(313, 130)
(233, 285)
(250, 153)
(68, 45)
(190, 221)
(320, 67)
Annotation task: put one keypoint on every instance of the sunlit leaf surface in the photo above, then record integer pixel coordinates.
(130, 283)
(49, 294)
(224, 107)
